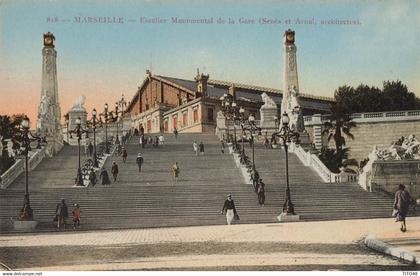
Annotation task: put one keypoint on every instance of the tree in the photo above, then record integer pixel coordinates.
(393, 96)
(340, 123)
(9, 131)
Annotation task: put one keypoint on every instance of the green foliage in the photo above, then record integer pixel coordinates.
(9, 130)
(393, 96)
(333, 160)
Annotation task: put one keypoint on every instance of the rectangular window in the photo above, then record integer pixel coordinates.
(165, 125)
(195, 115)
(149, 125)
(175, 122)
(210, 114)
(184, 119)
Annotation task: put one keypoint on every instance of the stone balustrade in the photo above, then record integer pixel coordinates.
(15, 171)
(309, 159)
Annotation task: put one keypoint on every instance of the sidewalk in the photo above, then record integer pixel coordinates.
(320, 245)
(398, 244)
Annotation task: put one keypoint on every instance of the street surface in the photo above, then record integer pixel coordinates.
(327, 245)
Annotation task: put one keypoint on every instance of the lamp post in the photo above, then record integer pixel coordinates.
(107, 116)
(79, 132)
(117, 140)
(287, 134)
(26, 139)
(230, 111)
(95, 158)
(121, 104)
(241, 117)
(253, 130)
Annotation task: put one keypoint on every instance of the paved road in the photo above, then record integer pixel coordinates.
(293, 246)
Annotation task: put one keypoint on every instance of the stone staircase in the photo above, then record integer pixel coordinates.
(150, 198)
(313, 198)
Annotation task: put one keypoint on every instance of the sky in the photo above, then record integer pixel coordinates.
(103, 60)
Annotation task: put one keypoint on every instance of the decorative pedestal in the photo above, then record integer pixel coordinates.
(284, 217)
(25, 225)
(268, 117)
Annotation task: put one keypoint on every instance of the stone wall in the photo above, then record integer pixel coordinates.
(387, 175)
(367, 135)
(376, 128)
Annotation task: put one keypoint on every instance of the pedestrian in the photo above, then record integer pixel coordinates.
(222, 144)
(176, 133)
(201, 148)
(90, 149)
(141, 130)
(261, 193)
(255, 176)
(124, 154)
(92, 178)
(114, 170)
(104, 177)
(175, 171)
(118, 149)
(141, 141)
(230, 210)
(161, 139)
(76, 216)
(139, 161)
(401, 204)
(195, 147)
(266, 142)
(156, 141)
(62, 214)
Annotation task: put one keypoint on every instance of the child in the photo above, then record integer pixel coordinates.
(76, 216)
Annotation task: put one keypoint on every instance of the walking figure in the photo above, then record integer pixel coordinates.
(114, 170)
(92, 178)
(195, 147)
(104, 177)
(156, 144)
(230, 210)
(141, 141)
(90, 148)
(201, 148)
(62, 213)
(76, 216)
(401, 204)
(261, 193)
(222, 144)
(176, 133)
(139, 161)
(161, 139)
(124, 154)
(175, 171)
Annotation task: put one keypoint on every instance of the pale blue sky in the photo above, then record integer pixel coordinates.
(103, 60)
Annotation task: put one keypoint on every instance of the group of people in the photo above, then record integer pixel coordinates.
(62, 215)
(198, 148)
(158, 140)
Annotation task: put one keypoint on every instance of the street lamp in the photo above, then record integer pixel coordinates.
(121, 104)
(241, 117)
(95, 158)
(287, 135)
(79, 132)
(27, 138)
(253, 130)
(230, 111)
(107, 117)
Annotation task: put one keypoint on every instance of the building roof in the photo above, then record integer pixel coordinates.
(217, 88)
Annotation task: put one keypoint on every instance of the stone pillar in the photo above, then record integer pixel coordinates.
(317, 127)
(221, 124)
(268, 113)
(49, 112)
(290, 103)
(74, 114)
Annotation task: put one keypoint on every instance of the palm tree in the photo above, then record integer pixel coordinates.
(340, 123)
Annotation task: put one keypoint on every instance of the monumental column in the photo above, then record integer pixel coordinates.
(49, 112)
(290, 103)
